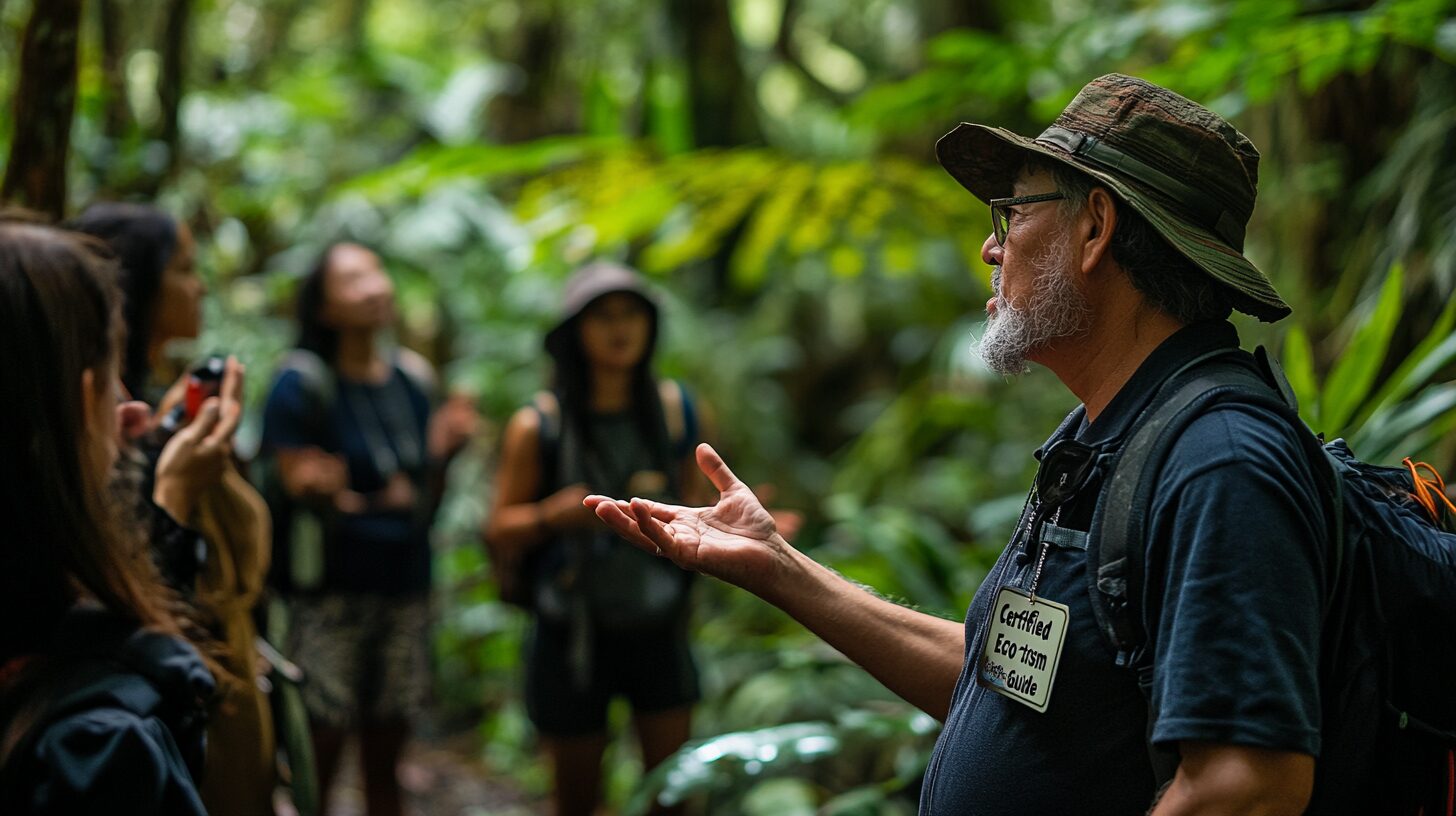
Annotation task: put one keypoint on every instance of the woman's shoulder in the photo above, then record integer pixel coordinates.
(417, 371)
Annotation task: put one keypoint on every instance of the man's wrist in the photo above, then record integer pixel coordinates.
(791, 576)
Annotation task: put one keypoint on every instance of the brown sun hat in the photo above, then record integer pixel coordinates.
(595, 280)
(1191, 174)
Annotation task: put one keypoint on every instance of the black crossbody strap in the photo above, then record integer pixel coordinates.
(1122, 508)
(1119, 530)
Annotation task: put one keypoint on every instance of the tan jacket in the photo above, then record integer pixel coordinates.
(240, 768)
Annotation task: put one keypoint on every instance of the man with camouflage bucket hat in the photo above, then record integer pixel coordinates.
(1117, 248)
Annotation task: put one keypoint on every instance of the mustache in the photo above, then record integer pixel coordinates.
(996, 286)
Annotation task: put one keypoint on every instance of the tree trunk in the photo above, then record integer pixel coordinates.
(116, 114)
(45, 101)
(356, 28)
(170, 82)
(943, 15)
(539, 105)
(276, 27)
(722, 100)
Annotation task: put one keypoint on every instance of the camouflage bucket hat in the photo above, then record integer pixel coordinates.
(1181, 166)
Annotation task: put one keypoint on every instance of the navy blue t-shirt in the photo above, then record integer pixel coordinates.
(379, 429)
(1234, 577)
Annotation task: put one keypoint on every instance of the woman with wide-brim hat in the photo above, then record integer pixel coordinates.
(608, 620)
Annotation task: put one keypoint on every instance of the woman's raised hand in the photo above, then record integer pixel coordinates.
(194, 459)
(734, 540)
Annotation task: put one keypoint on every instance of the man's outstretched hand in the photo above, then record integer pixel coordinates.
(735, 540)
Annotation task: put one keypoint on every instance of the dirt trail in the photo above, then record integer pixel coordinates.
(440, 777)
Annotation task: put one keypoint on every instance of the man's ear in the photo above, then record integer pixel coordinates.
(1101, 209)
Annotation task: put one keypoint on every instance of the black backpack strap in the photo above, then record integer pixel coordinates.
(418, 371)
(1112, 575)
(1118, 533)
(1115, 552)
(548, 414)
(320, 384)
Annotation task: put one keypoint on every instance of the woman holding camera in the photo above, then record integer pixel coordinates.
(101, 699)
(181, 477)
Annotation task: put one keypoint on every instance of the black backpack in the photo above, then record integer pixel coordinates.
(93, 671)
(1388, 651)
(596, 574)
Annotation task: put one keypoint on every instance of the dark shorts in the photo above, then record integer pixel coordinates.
(653, 669)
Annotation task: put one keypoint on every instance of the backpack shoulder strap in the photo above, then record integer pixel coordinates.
(1114, 551)
(420, 373)
(313, 372)
(680, 416)
(1115, 554)
(320, 386)
(548, 414)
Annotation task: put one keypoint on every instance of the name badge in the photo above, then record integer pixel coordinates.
(1022, 648)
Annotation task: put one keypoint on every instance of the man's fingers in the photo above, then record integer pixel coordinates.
(715, 468)
(664, 512)
(623, 525)
(652, 528)
(659, 511)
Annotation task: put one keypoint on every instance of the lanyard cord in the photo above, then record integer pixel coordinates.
(380, 426)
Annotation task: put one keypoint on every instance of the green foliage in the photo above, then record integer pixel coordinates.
(1404, 416)
(820, 287)
(767, 769)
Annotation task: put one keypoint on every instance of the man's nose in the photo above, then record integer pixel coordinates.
(991, 251)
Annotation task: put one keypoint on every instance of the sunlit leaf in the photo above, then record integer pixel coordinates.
(1378, 440)
(1299, 369)
(1354, 374)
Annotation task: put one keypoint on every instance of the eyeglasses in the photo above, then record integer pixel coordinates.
(1001, 211)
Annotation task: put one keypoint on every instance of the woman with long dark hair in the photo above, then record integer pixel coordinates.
(608, 621)
(199, 487)
(101, 701)
(156, 256)
(359, 453)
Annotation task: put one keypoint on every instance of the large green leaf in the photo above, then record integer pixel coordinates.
(1433, 353)
(1382, 437)
(1299, 370)
(1350, 383)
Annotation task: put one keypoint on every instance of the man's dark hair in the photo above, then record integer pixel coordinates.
(1170, 282)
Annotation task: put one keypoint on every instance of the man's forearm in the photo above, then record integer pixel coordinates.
(917, 656)
(1215, 779)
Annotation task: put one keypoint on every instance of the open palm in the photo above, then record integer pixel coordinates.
(734, 540)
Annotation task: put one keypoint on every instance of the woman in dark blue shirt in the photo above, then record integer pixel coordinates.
(359, 454)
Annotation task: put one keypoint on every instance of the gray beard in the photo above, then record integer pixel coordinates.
(1057, 309)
